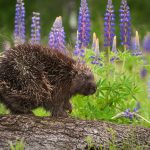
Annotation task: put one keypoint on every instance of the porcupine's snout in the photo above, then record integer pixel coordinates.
(91, 88)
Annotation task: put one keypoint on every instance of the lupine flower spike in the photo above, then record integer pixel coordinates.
(114, 45)
(57, 36)
(94, 41)
(109, 30)
(131, 114)
(114, 50)
(109, 25)
(136, 45)
(19, 31)
(83, 25)
(146, 43)
(96, 58)
(35, 28)
(76, 51)
(125, 24)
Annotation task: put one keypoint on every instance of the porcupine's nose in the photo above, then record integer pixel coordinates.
(93, 88)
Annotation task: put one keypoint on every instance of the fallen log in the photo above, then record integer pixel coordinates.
(45, 133)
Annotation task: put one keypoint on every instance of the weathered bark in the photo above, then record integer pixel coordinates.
(68, 134)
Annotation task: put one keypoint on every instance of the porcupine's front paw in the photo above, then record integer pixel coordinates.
(59, 114)
(68, 107)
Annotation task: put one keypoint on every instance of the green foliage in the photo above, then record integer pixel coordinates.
(119, 87)
(40, 112)
(19, 145)
(3, 110)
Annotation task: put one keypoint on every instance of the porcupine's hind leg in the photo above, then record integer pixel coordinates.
(17, 103)
(14, 101)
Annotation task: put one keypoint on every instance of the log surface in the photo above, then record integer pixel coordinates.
(45, 133)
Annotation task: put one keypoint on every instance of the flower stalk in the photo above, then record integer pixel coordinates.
(35, 28)
(125, 25)
(57, 36)
(84, 26)
(19, 29)
(109, 19)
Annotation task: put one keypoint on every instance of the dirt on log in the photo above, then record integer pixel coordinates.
(45, 133)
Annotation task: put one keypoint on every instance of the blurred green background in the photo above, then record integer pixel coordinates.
(68, 9)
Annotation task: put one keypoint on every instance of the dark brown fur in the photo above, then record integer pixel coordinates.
(33, 75)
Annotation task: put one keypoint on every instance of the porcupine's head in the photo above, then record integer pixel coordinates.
(83, 82)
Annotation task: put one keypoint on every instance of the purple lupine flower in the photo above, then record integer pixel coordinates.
(125, 24)
(77, 50)
(114, 50)
(109, 24)
(128, 114)
(131, 114)
(84, 25)
(113, 59)
(35, 28)
(96, 58)
(143, 73)
(135, 45)
(19, 31)
(114, 46)
(57, 36)
(146, 43)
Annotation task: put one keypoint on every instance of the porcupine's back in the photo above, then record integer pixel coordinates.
(25, 66)
(33, 75)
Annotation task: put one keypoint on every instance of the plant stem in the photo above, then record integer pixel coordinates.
(142, 118)
(108, 55)
(125, 49)
(123, 63)
(118, 115)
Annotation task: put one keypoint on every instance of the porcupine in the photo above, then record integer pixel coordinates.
(35, 75)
